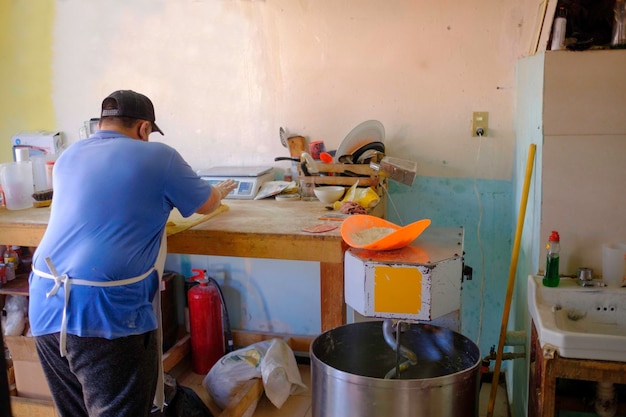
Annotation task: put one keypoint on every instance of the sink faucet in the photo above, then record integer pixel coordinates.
(585, 278)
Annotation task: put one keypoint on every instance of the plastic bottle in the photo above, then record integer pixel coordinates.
(552, 277)
(9, 271)
(287, 176)
(10, 255)
(558, 29)
(618, 39)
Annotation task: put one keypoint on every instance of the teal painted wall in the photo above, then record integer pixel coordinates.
(529, 131)
(483, 208)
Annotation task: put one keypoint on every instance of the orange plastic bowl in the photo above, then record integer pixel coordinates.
(401, 237)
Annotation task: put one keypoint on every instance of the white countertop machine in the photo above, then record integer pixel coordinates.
(249, 179)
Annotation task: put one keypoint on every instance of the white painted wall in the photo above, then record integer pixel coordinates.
(225, 75)
(583, 155)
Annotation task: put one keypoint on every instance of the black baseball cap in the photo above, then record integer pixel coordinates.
(133, 105)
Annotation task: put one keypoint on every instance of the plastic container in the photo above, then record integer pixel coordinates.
(552, 277)
(49, 169)
(353, 231)
(614, 264)
(17, 184)
(558, 29)
(618, 38)
(39, 172)
(10, 255)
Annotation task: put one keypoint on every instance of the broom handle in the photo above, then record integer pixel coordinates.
(511, 281)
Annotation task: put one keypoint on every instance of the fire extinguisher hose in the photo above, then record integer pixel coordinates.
(228, 330)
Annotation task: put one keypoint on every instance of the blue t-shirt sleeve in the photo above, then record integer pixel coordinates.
(184, 189)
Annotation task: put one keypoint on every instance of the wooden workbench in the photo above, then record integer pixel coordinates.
(253, 229)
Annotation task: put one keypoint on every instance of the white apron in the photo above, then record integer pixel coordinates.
(159, 266)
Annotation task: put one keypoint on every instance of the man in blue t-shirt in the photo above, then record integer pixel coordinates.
(96, 270)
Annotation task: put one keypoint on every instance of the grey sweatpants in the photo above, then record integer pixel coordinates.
(101, 377)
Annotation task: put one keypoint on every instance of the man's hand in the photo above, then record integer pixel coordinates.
(225, 187)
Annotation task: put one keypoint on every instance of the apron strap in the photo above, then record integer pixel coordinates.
(159, 265)
(64, 280)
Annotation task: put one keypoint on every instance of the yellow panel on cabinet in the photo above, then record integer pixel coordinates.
(397, 289)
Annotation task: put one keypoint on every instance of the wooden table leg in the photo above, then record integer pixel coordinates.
(333, 307)
(548, 386)
(534, 375)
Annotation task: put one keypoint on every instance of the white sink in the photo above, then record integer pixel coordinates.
(580, 322)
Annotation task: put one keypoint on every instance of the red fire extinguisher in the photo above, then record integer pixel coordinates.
(205, 325)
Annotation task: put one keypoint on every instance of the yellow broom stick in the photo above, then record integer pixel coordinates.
(511, 281)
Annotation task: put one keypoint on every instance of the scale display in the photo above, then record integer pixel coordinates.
(243, 189)
(248, 180)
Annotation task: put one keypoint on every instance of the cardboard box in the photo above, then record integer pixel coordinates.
(29, 378)
(38, 142)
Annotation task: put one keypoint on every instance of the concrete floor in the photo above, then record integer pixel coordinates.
(300, 405)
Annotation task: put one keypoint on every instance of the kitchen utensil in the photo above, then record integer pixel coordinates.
(283, 136)
(329, 194)
(317, 147)
(399, 238)
(306, 189)
(613, 264)
(287, 197)
(296, 145)
(366, 132)
(349, 362)
(367, 151)
(307, 163)
(326, 158)
(16, 179)
(311, 166)
(42, 198)
(39, 171)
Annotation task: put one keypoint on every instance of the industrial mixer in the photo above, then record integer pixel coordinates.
(392, 360)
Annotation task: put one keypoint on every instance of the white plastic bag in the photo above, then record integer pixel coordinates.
(281, 376)
(228, 374)
(17, 315)
(272, 360)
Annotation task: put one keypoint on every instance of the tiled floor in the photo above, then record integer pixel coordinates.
(300, 405)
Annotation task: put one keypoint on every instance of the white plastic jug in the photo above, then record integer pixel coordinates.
(16, 179)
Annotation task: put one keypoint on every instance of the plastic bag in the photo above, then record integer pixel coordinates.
(16, 308)
(281, 376)
(272, 360)
(232, 370)
(365, 197)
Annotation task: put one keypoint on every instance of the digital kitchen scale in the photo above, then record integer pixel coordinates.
(249, 179)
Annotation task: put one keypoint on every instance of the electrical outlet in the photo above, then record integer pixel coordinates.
(480, 123)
